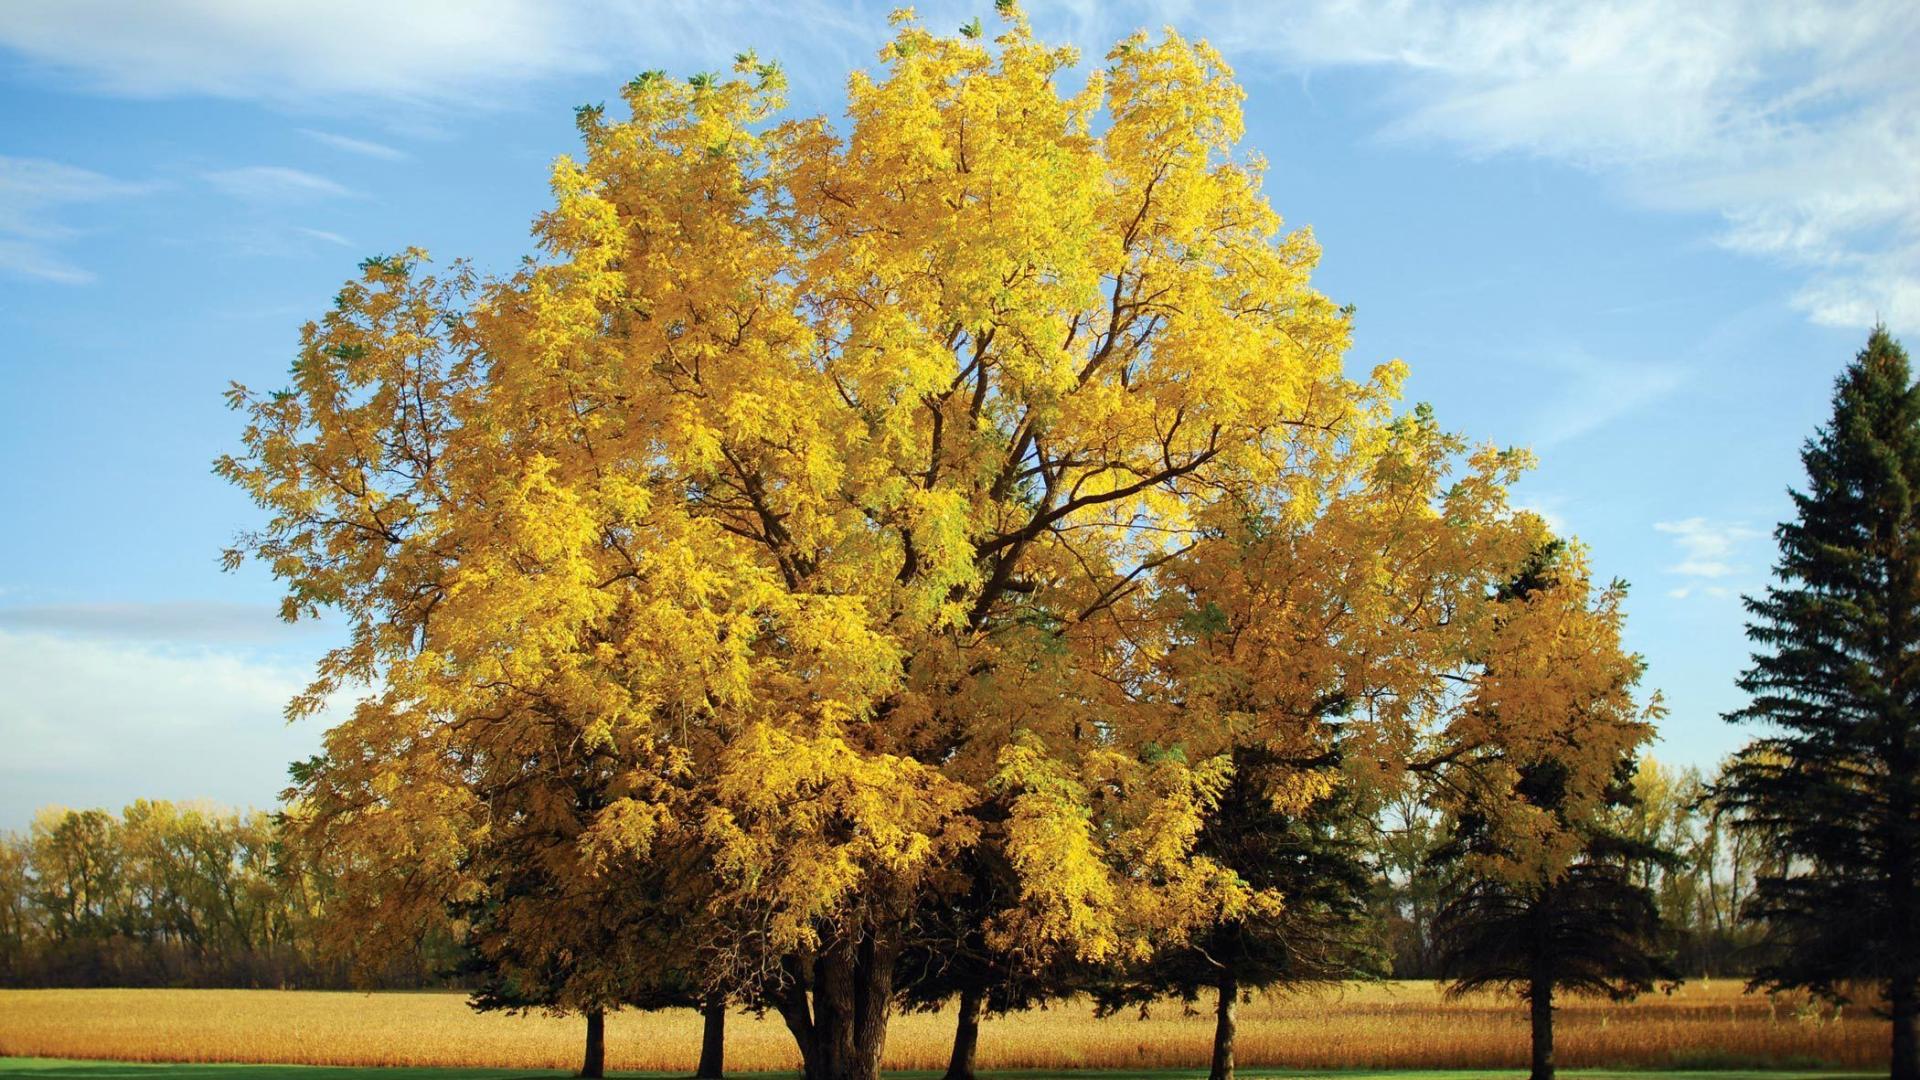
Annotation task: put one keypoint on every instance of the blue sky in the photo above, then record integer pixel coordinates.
(1639, 236)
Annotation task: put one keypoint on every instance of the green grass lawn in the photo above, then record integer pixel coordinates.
(62, 1069)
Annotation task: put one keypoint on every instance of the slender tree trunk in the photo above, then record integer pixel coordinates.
(1903, 880)
(1540, 994)
(798, 1014)
(966, 1037)
(1223, 1027)
(1905, 1007)
(713, 1040)
(594, 1065)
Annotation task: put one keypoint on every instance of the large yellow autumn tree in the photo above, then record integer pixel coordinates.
(814, 491)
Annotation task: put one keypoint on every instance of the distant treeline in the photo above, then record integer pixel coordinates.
(1699, 892)
(163, 894)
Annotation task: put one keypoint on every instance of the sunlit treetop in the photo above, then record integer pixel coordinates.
(1543, 748)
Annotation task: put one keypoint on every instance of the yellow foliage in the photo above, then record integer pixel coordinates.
(822, 486)
(1555, 689)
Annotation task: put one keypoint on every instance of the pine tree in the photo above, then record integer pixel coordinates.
(1835, 679)
(606, 940)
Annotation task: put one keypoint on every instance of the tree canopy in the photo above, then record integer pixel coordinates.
(972, 479)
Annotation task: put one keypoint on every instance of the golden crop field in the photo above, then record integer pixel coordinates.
(1393, 1025)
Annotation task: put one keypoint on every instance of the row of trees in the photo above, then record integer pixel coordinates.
(938, 555)
(170, 895)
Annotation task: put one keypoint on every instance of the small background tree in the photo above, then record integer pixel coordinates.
(1538, 767)
(1318, 933)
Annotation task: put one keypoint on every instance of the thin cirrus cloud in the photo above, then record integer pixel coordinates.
(274, 183)
(1797, 126)
(33, 194)
(291, 52)
(324, 236)
(1592, 392)
(437, 52)
(1709, 555)
(349, 144)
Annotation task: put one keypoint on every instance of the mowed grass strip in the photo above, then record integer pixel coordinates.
(1390, 1026)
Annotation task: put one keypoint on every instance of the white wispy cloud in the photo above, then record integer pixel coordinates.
(274, 183)
(33, 193)
(291, 52)
(1709, 554)
(1551, 509)
(324, 236)
(433, 51)
(351, 145)
(1589, 392)
(1797, 125)
(92, 721)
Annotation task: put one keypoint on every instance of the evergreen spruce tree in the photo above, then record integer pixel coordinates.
(1834, 782)
(545, 933)
(950, 955)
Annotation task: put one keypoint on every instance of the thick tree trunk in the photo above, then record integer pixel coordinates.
(594, 1065)
(842, 1031)
(966, 1037)
(1223, 1027)
(1905, 1007)
(713, 1040)
(1540, 999)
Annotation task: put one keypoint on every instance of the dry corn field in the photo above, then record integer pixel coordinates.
(1393, 1025)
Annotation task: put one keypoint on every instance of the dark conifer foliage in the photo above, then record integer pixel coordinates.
(542, 934)
(1592, 931)
(1317, 860)
(950, 955)
(1587, 928)
(1833, 782)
